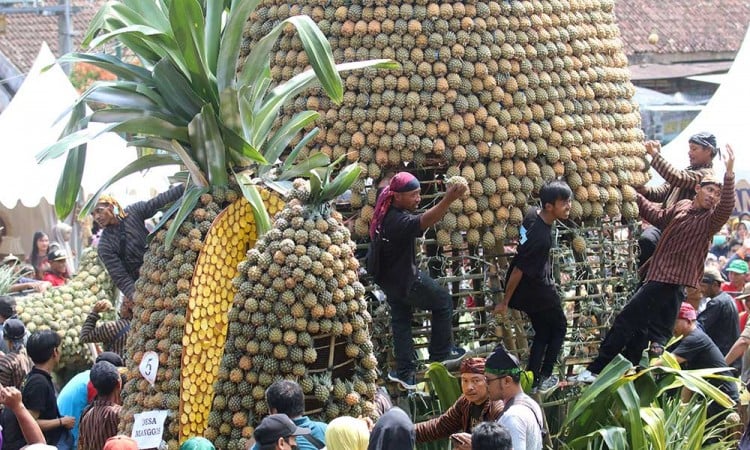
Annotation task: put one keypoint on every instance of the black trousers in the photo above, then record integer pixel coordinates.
(648, 317)
(647, 242)
(550, 327)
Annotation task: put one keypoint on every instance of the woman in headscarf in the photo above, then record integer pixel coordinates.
(61, 234)
(347, 433)
(393, 431)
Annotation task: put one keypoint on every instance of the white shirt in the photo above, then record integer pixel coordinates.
(522, 421)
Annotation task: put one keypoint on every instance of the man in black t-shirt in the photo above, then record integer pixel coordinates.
(720, 320)
(529, 285)
(39, 396)
(396, 226)
(697, 351)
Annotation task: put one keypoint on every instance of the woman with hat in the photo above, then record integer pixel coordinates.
(15, 364)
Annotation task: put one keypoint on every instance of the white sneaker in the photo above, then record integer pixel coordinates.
(586, 377)
(549, 384)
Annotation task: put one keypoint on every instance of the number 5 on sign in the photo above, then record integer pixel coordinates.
(149, 366)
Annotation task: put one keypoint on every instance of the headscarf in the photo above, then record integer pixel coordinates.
(347, 433)
(393, 431)
(120, 443)
(706, 140)
(401, 182)
(473, 365)
(118, 210)
(502, 363)
(197, 443)
(58, 235)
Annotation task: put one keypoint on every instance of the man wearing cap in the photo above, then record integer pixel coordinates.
(278, 432)
(395, 227)
(100, 419)
(123, 241)
(58, 267)
(678, 185)
(697, 351)
(80, 391)
(15, 363)
(7, 310)
(23, 283)
(720, 320)
(677, 262)
(737, 272)
(522, 417)
(472, 408)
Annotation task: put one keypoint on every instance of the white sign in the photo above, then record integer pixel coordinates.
(148, 428)
(149, 366)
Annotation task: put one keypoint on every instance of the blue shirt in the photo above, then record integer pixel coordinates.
(72, 400)
(318, 430)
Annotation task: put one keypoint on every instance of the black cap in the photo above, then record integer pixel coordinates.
(277, 426)
(57, 254)
(112, 358)
(14, 329)
(7, 306)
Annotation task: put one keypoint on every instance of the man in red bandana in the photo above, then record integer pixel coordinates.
(395, 227)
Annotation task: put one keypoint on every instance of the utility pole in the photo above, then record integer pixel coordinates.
(65, 32)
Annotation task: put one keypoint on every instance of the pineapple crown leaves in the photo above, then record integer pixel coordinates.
(188, 98)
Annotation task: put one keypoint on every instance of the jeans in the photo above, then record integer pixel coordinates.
(427, 294)
(648, 317)
(550, 326)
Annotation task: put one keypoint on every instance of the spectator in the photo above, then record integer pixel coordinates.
(278, 432)
(530, 287)
(120, 443)
(286, 397)
(720, 319)
(58, 269)
(10, 398)
(79, 392)
(61, 233)
(38, 258)
(490, 436)
(472, 407)
(100, 419)
(39, 395)
(737, 271)
(112, 334)
(695, 297)
(744, 297)
(522, 417)
(23, 272)
(15, 363)
(347, 433)
(697, 351)
(7, 310)
(740, 346)
(393, 230)
(392, 431)
(197, 443)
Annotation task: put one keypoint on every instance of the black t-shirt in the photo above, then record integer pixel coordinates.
(38, 394)
(536, 290)
(476, 416)
(398, 264)
(720, 321)
(700, 352)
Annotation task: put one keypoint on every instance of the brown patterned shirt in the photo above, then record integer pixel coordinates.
(457, 419)
(98, 423)
(112, 334)
(679, 184)
(14, 367)
(686, 232)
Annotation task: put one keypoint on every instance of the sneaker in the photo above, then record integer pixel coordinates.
(586, 377)
(548, 384)
(455, 353)
(408, 382)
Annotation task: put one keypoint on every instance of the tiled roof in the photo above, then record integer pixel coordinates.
(25, 33)
(694, 26)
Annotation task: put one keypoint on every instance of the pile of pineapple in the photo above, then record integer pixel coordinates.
(507, 94)
(65, 308)
(297, 288)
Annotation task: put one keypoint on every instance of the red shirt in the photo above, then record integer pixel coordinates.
(734, 292)
(55, 279)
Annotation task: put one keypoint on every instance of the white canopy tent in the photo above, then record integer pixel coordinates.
(27, 126)
(725, 116)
